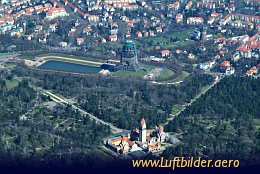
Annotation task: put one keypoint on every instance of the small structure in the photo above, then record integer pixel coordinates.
(252, 71)
(63, 44)
(165, 53)
(80, 41)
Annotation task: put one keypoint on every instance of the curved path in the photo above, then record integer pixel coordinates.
(43, 59)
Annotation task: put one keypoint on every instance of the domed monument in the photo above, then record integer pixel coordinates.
(129, 56)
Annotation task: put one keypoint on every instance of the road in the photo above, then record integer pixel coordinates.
(167, 83)
(65, 102)
(216, 81)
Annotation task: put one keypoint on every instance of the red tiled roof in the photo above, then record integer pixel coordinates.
(225, 63)
(165, 51)
(142, 121)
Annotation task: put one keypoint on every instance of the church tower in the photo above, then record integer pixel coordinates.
(142, 131)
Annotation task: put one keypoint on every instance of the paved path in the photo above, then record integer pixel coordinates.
(167, 83)
(69, 59)
(65, 101)
(217, 79)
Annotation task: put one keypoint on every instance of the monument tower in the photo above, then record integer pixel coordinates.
(142, 131)
(129, 56)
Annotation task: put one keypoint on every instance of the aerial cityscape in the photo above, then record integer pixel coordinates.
(97, 84)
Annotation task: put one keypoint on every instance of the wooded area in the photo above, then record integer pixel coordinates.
(120, 101)
(223, 123)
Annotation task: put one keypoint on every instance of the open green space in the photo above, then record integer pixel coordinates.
(140, 73)
(166, 73)
(182, 35)
(10, 84)
(165, 40)
(177, 44)
(148, 67)
(177, 108)
(156, 39)
(10, 65)
(181, 77)
(257, 123)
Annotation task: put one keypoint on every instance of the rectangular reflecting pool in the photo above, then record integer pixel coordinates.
(69, 67)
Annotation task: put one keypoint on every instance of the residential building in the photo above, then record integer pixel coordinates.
(188, 5)
(250, 48)
(139, 34)
(80, 41)
(194, 20)
(165, 53)
(208, 5)
(179, 18)
(113, 38)
(252, 71)
(175, 6)
(55, 12)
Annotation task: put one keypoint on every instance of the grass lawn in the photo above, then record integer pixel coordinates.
(182, 35)
(166, 73)
(176, 109)
(10, 65)
(148, 67)
(137, 43)
(156, 39)
(203, 89)
(27, 57)
(139, 73)
(182, 77)
(10, 84)
(177, 44)
(257, 123)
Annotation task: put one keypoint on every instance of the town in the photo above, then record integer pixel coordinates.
(101, 27)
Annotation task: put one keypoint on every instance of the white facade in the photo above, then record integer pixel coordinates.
(142, 131)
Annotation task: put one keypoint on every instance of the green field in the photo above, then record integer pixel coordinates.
(156, 39)
(182, 77)
(177, 44)
(166, 73)
(176, 109)
(10, 65)
(139, 73)
(148, 67)
(165, 40)
(10, 84)
(257, 123)
(182, 35)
